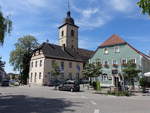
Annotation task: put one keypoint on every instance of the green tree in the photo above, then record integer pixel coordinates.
(20, 57)
(131, 73)
(143, 83)
(2, 64)
(5, 27)
(145, 6)
(56, 70)
(92, 70)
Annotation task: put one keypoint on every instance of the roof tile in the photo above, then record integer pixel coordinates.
(113, 40)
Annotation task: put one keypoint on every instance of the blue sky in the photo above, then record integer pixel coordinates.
(97, 19)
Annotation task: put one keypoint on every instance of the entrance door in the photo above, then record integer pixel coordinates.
(116, 81)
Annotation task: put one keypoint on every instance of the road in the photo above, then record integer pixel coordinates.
(25, 99)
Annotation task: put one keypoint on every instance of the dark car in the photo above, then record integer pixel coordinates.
(5, 83)
(69, 85)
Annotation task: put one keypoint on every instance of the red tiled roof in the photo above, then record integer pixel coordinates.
(113, 40)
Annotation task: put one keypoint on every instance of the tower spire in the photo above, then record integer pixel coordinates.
(68, 5)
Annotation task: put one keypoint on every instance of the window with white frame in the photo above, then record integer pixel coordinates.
(133, 60)
(31, 77)
(106, 62)
(124, 61)
(117, 50)
(35, 77)
(36, 63)
(40, 75)
(104, 77)
(40, 63)
(31, 64)
(105, 51)
(114, 62)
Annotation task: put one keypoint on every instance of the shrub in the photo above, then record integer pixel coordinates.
(143, 83)
(119, 93)
(96, 85)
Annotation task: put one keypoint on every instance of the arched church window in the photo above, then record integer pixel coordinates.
(62, 33)
(72, 32)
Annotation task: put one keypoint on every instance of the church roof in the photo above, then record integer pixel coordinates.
(59, 52)
(113, 40)
(68, 20)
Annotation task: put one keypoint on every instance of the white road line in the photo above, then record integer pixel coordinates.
(96, 111)
(94, 103)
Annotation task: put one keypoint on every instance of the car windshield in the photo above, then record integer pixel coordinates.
(69, 83)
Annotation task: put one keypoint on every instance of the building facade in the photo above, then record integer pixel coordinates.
(69, 58)
(113, 54)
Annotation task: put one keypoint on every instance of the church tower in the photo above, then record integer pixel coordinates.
(68, 33)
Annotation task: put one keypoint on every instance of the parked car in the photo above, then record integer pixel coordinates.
(69, 85)
(54, 83)
(14, 83)
(5, 83)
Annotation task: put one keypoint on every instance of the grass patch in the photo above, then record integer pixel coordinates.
(119, 93)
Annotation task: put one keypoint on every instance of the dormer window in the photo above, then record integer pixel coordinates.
(72, 32)
(105, 51)
(117, 50)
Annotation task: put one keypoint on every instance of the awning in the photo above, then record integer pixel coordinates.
(147, 74)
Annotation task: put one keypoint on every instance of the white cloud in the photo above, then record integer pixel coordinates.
(91, 18)
(120, 5)
(89, 12)
(31, 6)
(37, 3)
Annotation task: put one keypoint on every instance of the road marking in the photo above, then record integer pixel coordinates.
(96, 111)
(94, 103)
